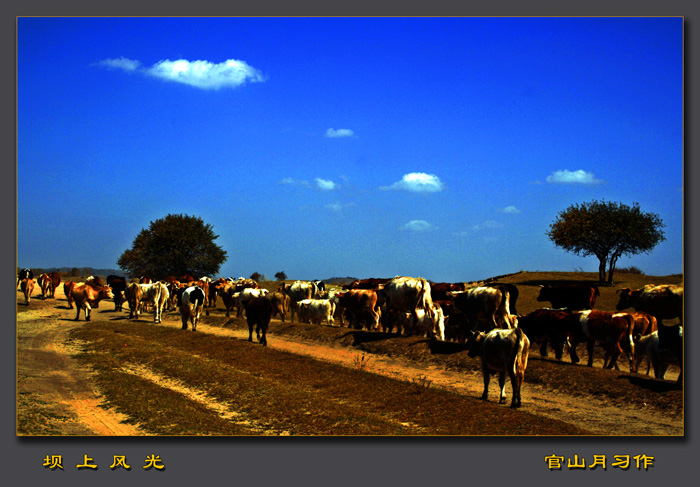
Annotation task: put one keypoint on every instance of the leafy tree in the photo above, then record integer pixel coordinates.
(175, 245)
(75, 272)
(256, 276)
(607, 230)
(281, 276)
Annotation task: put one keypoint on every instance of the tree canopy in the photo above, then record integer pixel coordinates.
(175, 245)
(607, 230)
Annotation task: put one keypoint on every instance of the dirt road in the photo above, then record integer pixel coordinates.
(50, 378)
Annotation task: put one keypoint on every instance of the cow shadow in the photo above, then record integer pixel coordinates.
(438, 347)
(362, 336)
(654, 385)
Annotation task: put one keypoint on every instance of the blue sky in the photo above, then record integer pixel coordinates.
(366, 147)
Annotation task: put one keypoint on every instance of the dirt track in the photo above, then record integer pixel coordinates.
(48, 375)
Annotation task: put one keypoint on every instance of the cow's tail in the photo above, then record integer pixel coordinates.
(504, 307)
(630, 337)
(522, 349)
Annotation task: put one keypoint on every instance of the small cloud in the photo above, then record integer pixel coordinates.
(509, 209)
(199, 74)
(487, 224)
(332, 133)
(325, 184)
(338, 206)
(572, 177)
(417, 182)
(418, 226)
(121, 63)
(295, 182)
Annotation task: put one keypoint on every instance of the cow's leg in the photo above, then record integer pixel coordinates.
(77, 316)
(184, 318)
(250, 332)
(543, 348)
(487, 378)
(590, 347)
(263, 340)
(515, 382)
(502, 385)
(572, 352)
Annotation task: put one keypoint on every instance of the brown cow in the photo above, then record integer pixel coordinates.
(438, 290)
(27, 287)
(371, 283)
(280, 304)
(44, 282)
(86, 296)
(67, 287)
(610, 329)
(132, 293)
(505, 352)
(228, 294)
(55, 281)
(359, 306)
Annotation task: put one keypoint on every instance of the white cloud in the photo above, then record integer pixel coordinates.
(121, 63)
(418, 182)
(325, 184)
(487, 224)
(338, 206)
(510, 209)
(572, 177)
(200, 74)
(418, 226)
(332, 133)
(295, 182)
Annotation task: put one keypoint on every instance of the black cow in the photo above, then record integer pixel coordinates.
(571, 296)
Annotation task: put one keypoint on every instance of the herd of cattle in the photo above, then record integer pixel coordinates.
(484, 317)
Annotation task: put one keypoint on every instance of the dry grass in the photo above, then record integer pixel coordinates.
(280, 393)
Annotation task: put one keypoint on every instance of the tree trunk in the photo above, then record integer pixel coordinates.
(611, 269)
(601, 269)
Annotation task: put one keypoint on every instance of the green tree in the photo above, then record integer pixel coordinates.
(607, 230)
(281, 276)
(256, 276)
(175, 245)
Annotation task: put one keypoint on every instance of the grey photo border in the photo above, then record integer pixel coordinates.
(348, 461)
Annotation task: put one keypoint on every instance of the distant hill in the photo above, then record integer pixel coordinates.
(87, 271)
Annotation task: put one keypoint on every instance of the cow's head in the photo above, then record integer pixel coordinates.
(473, 343)
(625, 298)
(544, 293)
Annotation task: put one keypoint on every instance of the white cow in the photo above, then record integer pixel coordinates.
(316, 310)
(191, 304)
(155, 293)
(503, 351)
(408, 295)
(245, 295)
(427, 323)
(657, 359)
(298, 291)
